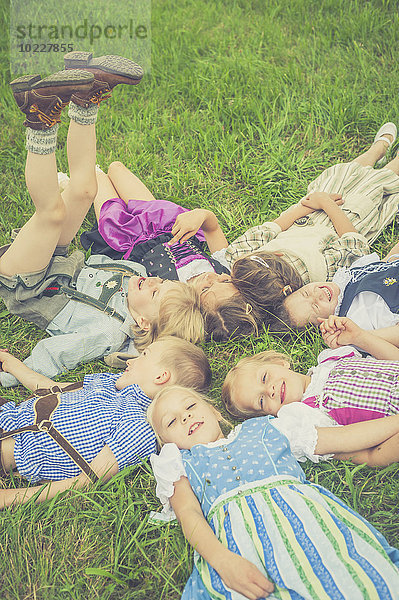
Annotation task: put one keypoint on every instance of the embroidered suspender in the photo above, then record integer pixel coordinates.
(109, 289)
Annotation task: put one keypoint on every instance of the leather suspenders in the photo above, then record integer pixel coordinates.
(44, 407)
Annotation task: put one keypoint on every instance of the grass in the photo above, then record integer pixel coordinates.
(247, 101)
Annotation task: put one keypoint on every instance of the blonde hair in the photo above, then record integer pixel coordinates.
(268, 356)
(179, 315)
(175, 389)
(188, 364)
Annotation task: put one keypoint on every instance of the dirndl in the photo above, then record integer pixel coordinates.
(123, 226)
(304, 539)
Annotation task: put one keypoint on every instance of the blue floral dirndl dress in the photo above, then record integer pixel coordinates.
(308, 542)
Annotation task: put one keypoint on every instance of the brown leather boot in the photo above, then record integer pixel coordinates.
(42, 100)
(108, 72)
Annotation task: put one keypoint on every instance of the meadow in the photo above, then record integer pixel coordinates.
(246, 102)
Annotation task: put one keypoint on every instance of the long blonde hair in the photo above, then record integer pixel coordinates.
(268, 356)
(179, 315)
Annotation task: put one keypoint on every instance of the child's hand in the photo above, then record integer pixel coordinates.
(317, 200)
(8, 361)
(244, 577)
(339, 331)
(187, 225)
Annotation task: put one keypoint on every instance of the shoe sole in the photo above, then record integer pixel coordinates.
(34, 82)
(117, 65)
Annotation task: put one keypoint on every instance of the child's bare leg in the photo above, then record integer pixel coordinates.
(393, 165)
(80, 192)
(42, 100)
(105, 191)
(35, 243)
(384, 138)
(128, 186)
(373, 154)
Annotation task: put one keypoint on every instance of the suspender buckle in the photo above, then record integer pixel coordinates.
(45, 425)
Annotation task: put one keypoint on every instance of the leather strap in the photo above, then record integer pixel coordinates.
(44, 407)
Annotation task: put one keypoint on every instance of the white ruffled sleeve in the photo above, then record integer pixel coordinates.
(299, 422)
(168, 468)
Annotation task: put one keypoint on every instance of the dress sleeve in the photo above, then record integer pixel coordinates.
(252, 240)
(168, 467)
(343, 251)
(299, 422)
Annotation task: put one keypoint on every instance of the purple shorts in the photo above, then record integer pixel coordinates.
(123, 227)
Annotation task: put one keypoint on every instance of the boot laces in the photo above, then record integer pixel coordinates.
(54, 115)
(99, 96)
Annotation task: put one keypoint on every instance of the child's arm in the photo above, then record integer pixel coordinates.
(305, 207)
(380, 456)
(29, 378)
(349, 439)
(104, 465)
(236, 572)
(188, 223)
(324, 201)
(341, 331)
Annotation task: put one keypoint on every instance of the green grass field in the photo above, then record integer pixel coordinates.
(247, 101)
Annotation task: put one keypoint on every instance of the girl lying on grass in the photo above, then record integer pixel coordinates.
(103, 419)
(367, 292)
(90, 309)
(334, 237)
(343, 385)
(258, 528)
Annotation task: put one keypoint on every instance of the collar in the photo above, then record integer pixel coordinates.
(127, 323)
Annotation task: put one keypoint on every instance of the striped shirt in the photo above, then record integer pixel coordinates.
(89, 418)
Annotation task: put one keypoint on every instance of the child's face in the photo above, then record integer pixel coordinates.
(313, 300)
(185, 420)
(214, 289)
(145, 370)
(144, 296)
(264, 388)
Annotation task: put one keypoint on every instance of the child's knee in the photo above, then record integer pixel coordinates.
(115, 167)
(54, 215)
(83, 190)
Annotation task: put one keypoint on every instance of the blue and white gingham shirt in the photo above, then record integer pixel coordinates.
(89, 418)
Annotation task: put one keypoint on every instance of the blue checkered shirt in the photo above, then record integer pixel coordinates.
(90, 418)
